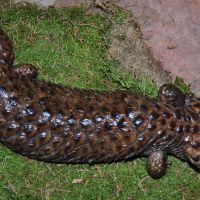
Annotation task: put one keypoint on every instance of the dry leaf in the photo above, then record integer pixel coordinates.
(77, 181)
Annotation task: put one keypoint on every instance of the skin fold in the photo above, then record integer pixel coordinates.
(57, 124)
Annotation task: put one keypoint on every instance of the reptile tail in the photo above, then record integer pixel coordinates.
(6, 50)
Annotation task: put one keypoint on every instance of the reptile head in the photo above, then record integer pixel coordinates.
(192, 147)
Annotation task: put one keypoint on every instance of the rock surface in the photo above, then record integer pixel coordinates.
(132, 54)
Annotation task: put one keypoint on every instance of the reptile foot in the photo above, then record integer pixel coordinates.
(171, 95)
(26, 70)
(157, 164)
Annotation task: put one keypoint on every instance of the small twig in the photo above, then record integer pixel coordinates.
(140, 183)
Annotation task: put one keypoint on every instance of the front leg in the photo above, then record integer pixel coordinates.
(26, 70)
(157, 164)
(171, 95)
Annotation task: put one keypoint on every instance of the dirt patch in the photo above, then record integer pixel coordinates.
(131, 53)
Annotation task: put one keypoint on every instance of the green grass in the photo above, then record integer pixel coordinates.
(69, 47)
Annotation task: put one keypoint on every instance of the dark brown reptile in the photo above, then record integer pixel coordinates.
(57, 124)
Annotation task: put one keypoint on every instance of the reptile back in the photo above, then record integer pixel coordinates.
(57, 124)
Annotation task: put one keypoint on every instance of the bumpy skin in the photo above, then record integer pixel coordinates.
(52, 123)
